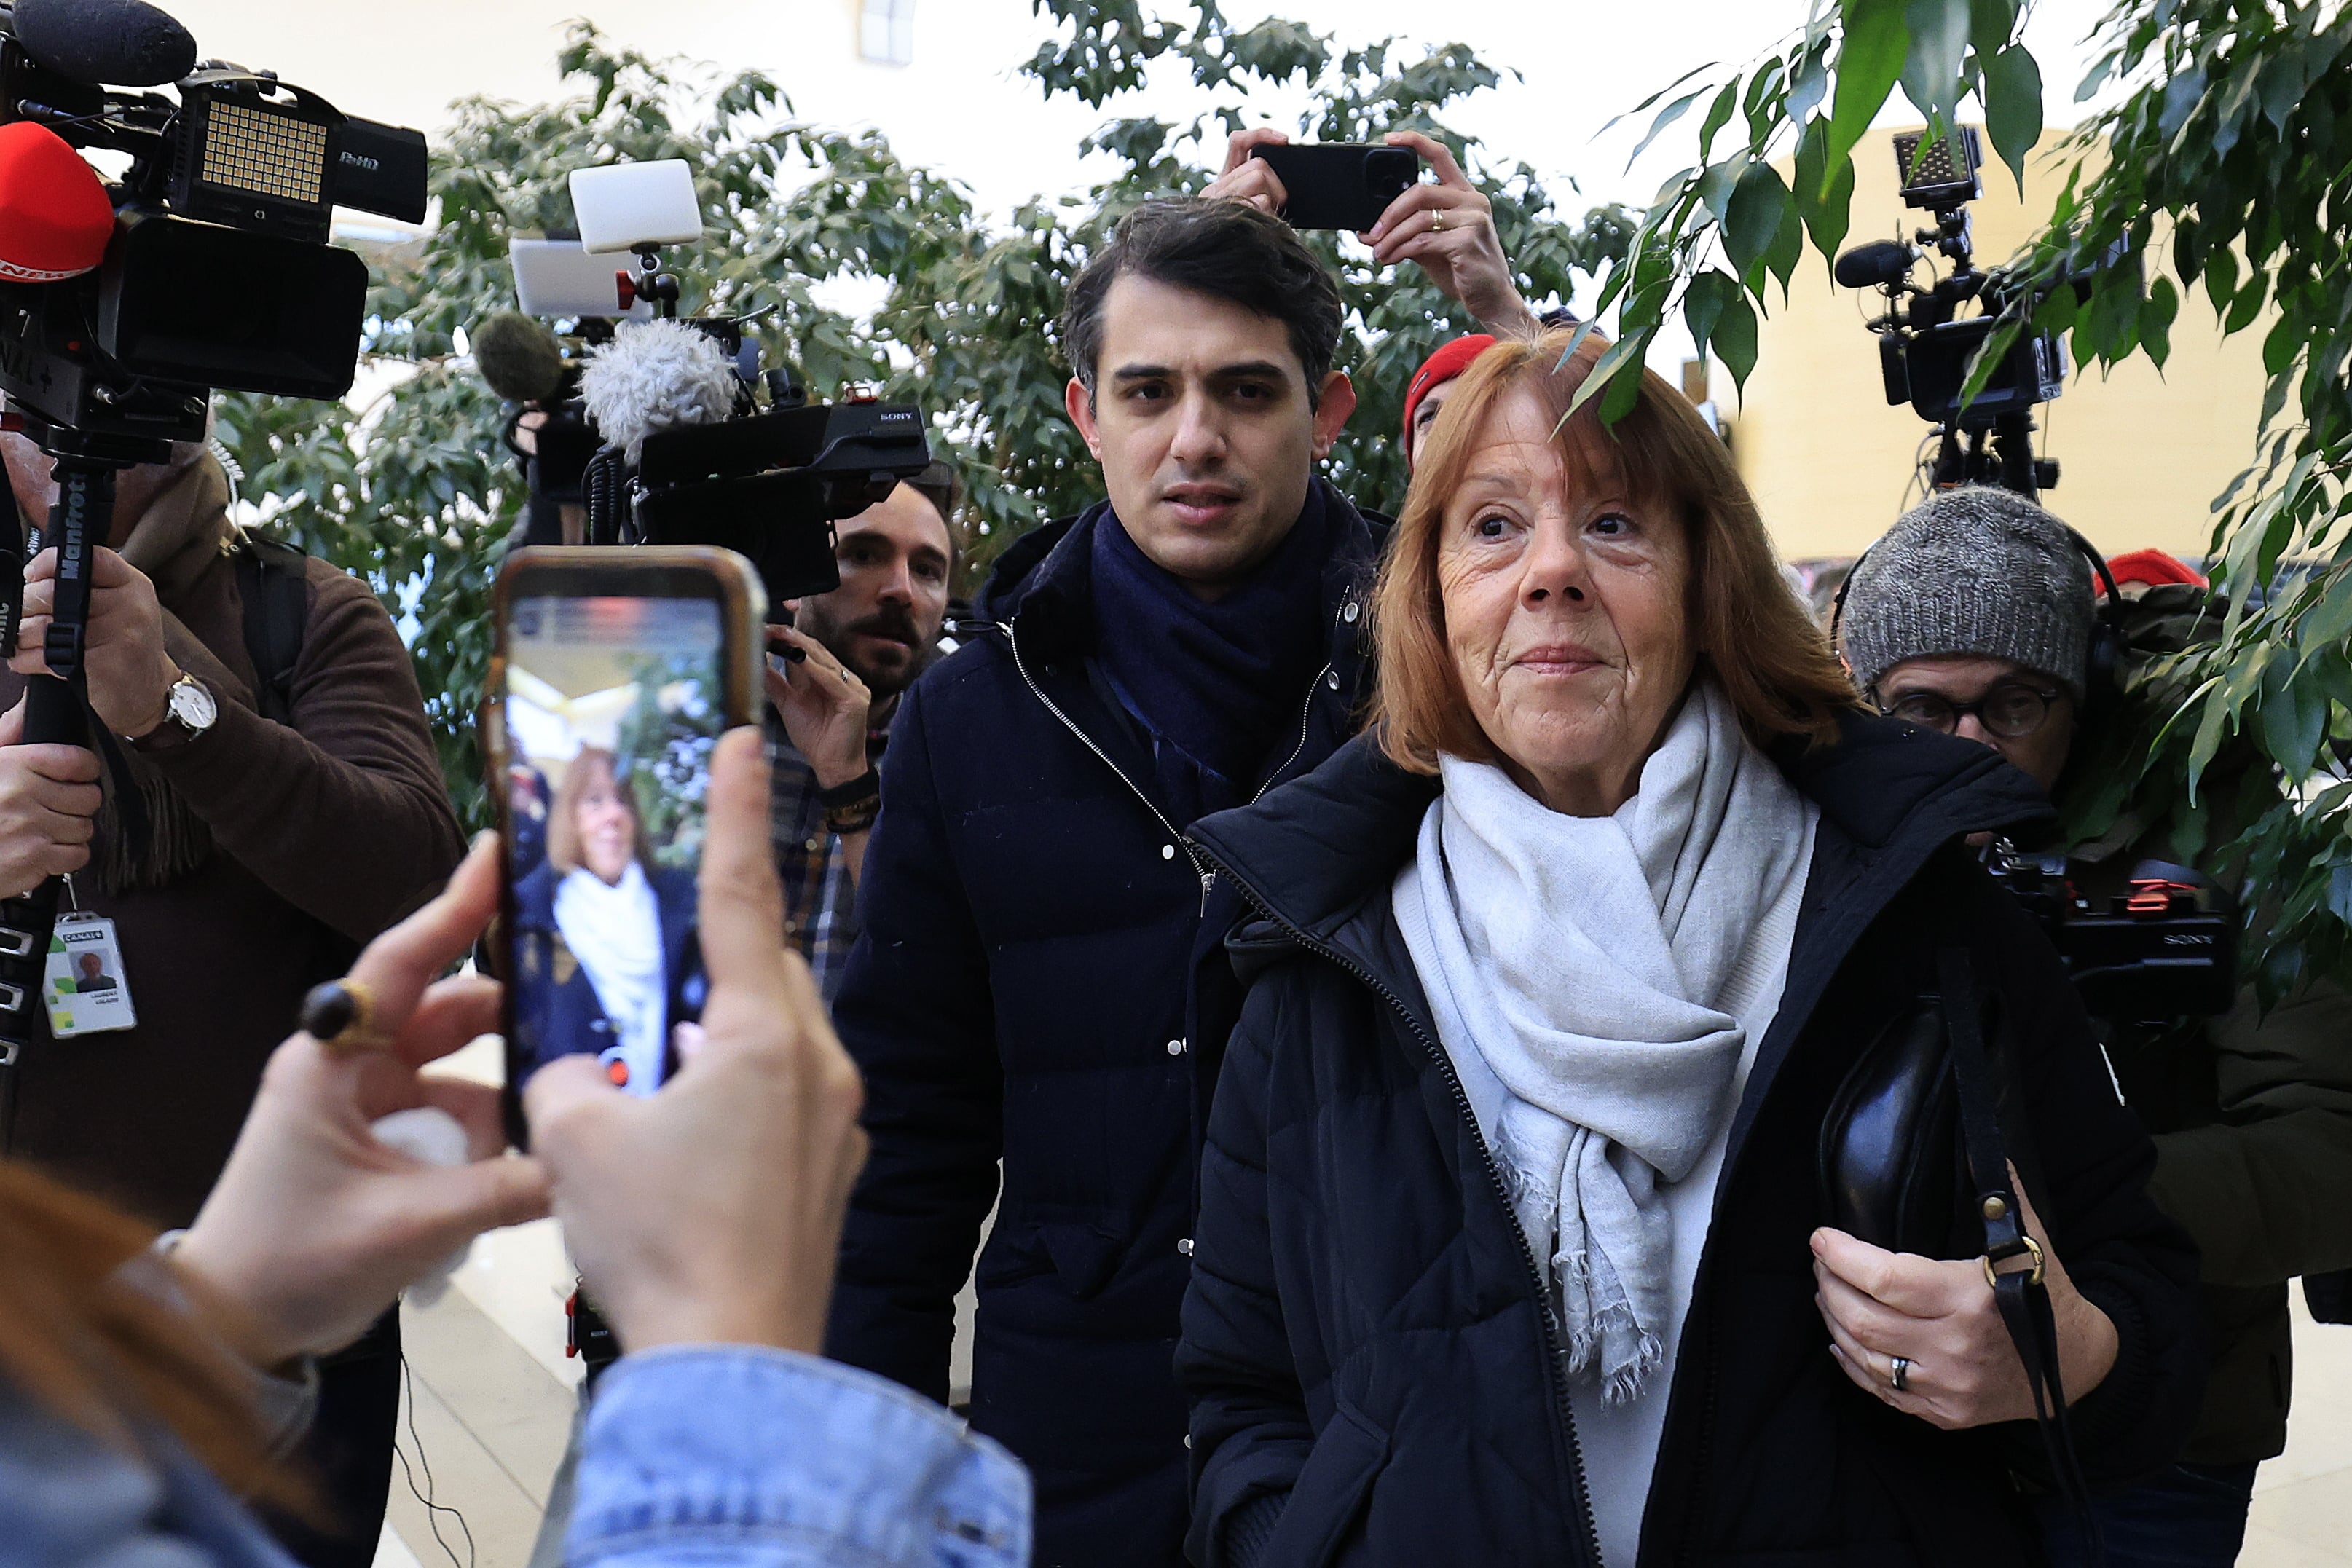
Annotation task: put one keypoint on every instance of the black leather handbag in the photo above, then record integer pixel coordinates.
(1912, 1159)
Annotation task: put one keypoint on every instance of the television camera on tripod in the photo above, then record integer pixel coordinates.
(1929, 340)
(203, 265)
(2167, 946)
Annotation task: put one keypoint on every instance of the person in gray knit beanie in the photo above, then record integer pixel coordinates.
(1976, 571)
(1974, 616)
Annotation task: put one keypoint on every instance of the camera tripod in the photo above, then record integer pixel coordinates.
(1996, 451)
(56, 706)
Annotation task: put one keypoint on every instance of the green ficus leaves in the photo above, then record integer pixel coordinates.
(417, 495)
(2228, 156)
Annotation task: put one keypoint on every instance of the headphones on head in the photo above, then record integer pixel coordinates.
(2101, 680)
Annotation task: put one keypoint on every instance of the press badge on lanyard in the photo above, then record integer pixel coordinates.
(87, 991)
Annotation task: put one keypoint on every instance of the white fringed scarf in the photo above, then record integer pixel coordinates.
(1583, 957)
(615, 930)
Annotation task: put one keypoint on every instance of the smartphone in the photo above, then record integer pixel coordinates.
(1341, 184)
(614, 673)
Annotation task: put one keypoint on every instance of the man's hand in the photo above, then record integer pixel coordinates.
(48, 796)
(1250, 179)
(1449, 229)
(315, 1226)
(130, 676)
(825, 706)
(710, 1213)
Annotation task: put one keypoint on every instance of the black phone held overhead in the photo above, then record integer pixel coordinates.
(1341, 184)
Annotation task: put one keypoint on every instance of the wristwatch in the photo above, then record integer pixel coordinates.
(188, 711)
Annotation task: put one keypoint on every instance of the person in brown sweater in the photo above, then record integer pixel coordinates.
(274, 851)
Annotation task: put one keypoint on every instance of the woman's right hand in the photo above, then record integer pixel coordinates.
(711, 1211)
(50, 797)
(1961, 1368)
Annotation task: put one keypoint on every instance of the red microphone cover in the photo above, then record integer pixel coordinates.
(54, 217)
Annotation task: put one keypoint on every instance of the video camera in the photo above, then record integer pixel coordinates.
(2165, 948)
(1927, 346)
(215, 272)
(124, 304)
(699, 445)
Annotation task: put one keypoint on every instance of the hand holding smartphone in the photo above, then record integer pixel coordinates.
(615, 672)
(1338, 184)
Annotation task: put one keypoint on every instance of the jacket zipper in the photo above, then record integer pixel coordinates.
(1305, 722)
(1554, 1356)
(1207, 874)
(1208, 877)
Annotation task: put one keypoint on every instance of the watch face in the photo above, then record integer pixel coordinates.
(191, 705)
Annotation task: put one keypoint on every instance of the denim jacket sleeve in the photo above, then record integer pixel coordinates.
(734, 1455)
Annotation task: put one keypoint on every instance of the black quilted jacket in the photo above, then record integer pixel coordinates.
(1369, 1366)
(1041, 980)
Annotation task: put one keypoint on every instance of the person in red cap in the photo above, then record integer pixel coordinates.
(1425, 393)
(2153, 569)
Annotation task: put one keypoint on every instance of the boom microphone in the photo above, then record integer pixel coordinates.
(519, 357)
(105, 43)
(655, 376)
(55, 216)
(1875, 265)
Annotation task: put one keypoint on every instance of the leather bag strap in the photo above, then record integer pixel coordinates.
(2021, 1294)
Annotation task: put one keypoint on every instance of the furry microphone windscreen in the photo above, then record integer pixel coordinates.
(518, 357)
(655, 376)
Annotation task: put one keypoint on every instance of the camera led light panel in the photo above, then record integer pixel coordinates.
(1942, 173)
(269, 153)
(254, 165)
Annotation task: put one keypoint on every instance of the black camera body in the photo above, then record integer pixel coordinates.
(768, 481)
(1928, 367)
(2165, 948)
(769, 485)
(1930, 338)
(218, 274)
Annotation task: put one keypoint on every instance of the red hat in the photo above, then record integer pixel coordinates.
(1440, 368)
(2154, 567)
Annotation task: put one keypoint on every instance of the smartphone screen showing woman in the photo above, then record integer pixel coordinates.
(613, 705)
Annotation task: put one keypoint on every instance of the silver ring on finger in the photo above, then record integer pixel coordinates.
(1898, 1374)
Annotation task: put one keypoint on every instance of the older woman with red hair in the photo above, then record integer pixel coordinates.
(1523, 1232)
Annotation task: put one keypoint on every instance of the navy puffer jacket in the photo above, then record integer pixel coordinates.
(1025, 990)
(1365, 1345)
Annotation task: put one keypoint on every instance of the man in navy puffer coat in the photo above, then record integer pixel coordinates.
(1040, 979)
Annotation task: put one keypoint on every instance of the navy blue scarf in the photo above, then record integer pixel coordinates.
(1217, 686)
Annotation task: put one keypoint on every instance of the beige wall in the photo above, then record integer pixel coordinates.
(2144, 454)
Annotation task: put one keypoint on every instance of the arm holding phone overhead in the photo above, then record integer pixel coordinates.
(1445, 226)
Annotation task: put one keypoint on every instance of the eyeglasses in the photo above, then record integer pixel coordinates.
(2011, 710)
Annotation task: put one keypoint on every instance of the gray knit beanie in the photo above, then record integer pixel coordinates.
(1978, 572)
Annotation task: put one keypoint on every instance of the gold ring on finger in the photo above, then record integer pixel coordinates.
(1436, 222)
(340, 1015)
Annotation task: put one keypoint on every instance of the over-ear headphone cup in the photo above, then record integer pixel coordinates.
(2107, 653)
